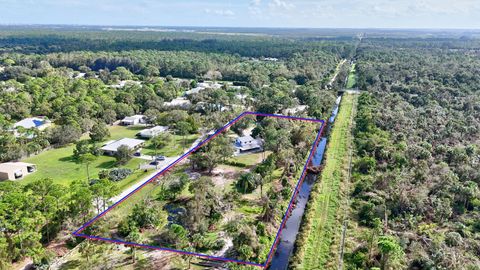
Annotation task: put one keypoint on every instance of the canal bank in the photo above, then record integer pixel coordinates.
(320, 224)
(289, 233)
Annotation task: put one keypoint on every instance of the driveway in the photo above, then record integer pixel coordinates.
(162, 165)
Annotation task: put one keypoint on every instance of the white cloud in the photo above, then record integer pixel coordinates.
(255, 2)
(280, 4)
(220, 12)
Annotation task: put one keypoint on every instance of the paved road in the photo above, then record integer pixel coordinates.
(161, 166)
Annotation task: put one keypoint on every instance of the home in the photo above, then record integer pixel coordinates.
(152, 132)
(110, 148)
(38, 122)
(15, 170)
(202, 86)
(178, 102)
(122, 84)
(133, 120)
(247, 143)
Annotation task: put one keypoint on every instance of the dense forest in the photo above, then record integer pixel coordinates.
(414, 189)
(416, 177)
(85, 81)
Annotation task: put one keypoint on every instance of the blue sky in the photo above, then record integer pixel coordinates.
(247, 13)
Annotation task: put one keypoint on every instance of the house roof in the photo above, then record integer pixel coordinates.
(11, 166)
(153, 130)
(133, 117)
(31, 122)
(113, 146)
(246, 139)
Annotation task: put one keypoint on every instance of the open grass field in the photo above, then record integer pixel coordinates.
(59, 165)
(175, 147)
(320, 222)
(352, 78)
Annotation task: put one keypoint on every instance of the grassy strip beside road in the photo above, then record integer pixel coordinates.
(352, 78)
(314, 243)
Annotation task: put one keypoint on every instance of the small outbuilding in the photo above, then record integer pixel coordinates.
(133, 120)
(16, 170)
(112, 147)
(152, 132)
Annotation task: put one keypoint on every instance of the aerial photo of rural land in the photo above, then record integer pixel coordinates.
(240, 135)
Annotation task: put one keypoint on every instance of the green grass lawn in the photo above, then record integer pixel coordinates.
(321, 223)
(352, 78)
(175, 148)
(59, 165)
(250, 159)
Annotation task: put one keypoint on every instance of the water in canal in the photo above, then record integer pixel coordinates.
(289, 233)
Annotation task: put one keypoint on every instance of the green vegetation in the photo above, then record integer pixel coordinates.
(320, 221)
(415, 179)
(352, 78)
(174, 147)
(240, 198)
(60, 165)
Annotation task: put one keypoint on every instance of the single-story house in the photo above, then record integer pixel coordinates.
(15, 170)
(133, 120)
(202, 86)
(38, 122)
(178, 102)
(110, 148)
(152, 132)
(247, 143)
(122, 84)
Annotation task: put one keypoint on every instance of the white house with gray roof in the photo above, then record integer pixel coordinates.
(110, 148)
(247, 144)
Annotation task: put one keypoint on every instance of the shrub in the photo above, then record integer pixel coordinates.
(453, 239)
(118, 174)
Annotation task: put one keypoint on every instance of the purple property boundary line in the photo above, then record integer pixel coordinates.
(166, 169)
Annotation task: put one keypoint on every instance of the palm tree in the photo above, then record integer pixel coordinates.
(248, 182)
(87, 159)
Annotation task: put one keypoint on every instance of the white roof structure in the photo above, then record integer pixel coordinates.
(32, 122)
(133, 117)
(245, 139)
(10, 166)
(202, 86)
(122, 84)
(181, 101)
(152, 132)
(130, 143)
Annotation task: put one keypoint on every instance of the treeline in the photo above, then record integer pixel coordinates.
(416, 179)
(47, 41)
(302, 67)
(32, 215)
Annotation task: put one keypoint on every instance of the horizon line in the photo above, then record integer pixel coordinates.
(244, 27)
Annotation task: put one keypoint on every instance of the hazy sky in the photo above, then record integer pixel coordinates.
(249, 13)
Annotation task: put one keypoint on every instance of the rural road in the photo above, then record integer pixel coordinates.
(162, 165)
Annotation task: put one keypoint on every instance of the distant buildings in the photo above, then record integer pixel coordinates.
(15, 170)
(178, 102)
(202, 86)
(122, 84)
(247, 144)
(152, 132)
(133, 120)
(111, 147)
